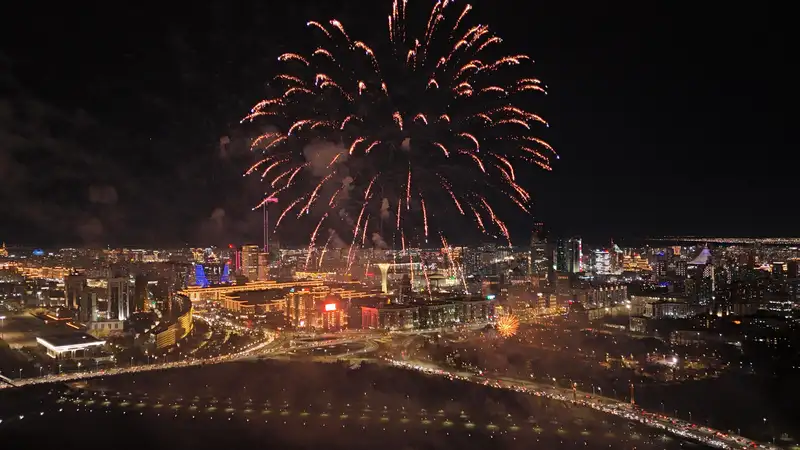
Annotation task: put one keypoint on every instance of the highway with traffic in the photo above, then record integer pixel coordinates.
(679, 427)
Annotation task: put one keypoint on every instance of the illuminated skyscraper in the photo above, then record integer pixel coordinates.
(250, 261)
(120, 297)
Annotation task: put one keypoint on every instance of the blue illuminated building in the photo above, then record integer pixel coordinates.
(207, 274)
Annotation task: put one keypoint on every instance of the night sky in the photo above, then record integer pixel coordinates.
(671, 118)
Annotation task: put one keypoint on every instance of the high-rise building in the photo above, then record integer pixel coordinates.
(560, 256)
(74, 287)
(120, 297)
(263, 266)
(541, 259)
(87, 310)
(602, 262)
(250, 261)
(680, 268)
(140, 293)
(574, 255)
(778, 270)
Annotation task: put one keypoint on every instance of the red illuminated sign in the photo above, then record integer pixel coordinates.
(330, 307)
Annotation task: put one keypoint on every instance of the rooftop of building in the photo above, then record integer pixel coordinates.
(71, 339)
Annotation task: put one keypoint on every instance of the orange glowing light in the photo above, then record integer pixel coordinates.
(330, 307)
(507, 325)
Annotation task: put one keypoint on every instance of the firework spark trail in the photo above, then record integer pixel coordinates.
(319, 25)
(288, 208)
(364, 234)
(296, 171)
(424, 216)
(279, 177)
(371, 146)
(411, 269)
(332, 201)
(314, 238)
(453, 196)
(257, 141)
(314, 194)
(333, 161)
(324, 249)
(272, 166)
(338, 94)
(258, 164)
(427, 280)
(355, 235)
(478, 219)
(408, 190)
(399, 204)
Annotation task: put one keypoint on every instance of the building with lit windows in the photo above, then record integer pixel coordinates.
(249, 256)
(390, 317)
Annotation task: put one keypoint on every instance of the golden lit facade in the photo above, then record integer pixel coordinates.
(177, 331)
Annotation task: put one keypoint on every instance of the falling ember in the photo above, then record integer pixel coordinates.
(333, 161)
(479, 220)
(319, 25)
(294, 174)
(398, 119)
(361, 87)
(272, 166)
(314, 238)
(424, 215)
(455, 199)
(292, 56)
(339, 26)
(408, 190)
(507, 325)
(471, 138)
(288, 208)
(297, 125)
(399, 204)
(332, 201)
(355, 143)
(369, 149)
(279, 177)
(324, 249)
(427, 280)
(442, 148)
(347, 120)
(421, 117)
(314, 194)
(474, 158)
(364, 234)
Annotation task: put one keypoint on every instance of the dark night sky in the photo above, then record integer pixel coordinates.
(670, 118)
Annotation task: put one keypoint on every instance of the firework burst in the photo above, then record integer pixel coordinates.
(428, 129)
(507, 325)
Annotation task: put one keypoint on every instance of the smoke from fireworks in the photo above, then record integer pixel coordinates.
(410, 138)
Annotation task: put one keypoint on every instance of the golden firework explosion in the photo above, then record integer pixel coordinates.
(507, 325)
